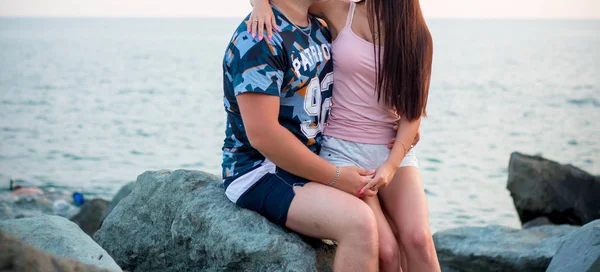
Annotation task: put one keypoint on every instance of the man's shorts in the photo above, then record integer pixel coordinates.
(267, 190)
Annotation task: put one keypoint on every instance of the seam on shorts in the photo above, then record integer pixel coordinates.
(283, 180)
(300, 184)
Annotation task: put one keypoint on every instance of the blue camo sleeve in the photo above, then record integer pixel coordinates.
(257, 67)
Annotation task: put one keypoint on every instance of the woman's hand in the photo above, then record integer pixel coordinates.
(262, 18)
(352, 179)
(383, 175)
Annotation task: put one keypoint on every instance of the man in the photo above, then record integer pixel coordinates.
(277, 95)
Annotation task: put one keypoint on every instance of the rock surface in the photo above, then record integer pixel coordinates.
(580, 252)
(540, 221)
(182, 221)
(122, 193)
(563, 193)
(61, 237)
(498, 248)
(90, 217)
(17, 256)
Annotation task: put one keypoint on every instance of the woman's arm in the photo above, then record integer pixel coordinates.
(262, 18)
(405, 136)
(404, 139)
(319, 8)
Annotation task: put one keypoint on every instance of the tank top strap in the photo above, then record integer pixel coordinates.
(350, 13)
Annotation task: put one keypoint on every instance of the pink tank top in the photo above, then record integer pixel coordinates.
(356, 115)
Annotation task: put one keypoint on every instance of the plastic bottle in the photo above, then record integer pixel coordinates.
(78, 199)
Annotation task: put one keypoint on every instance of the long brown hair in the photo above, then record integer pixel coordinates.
(404, 70)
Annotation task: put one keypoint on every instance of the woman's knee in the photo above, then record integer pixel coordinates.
(389, 252)
(417, 238)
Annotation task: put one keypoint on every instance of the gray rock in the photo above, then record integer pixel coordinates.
(581, 251)
(563, 193)
(498, 248)
(17, 256)
(540, 221)
(61, 237)
(122, 193)
(182, 221)
(89, 218)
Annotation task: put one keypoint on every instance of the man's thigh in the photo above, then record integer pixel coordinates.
(324, 212)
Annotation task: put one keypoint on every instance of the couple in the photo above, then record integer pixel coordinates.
(311, 151)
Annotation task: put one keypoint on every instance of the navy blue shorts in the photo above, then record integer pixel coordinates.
(271, 194)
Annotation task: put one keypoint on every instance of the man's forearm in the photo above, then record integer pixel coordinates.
(281, 147)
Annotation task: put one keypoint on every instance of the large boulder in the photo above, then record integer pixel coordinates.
(182, 221)
(122, 193)
(563, 193)
(498, 248)
(18, 256)
(540, 221)
(580, 252)
(90, 217)
(59, 236)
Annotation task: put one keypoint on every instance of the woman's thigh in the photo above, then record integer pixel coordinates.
(387, 240)
(404, 200)
(383, 227)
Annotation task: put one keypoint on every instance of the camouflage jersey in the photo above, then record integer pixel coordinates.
(295, 66)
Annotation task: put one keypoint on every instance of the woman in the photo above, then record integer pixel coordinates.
(369, 98)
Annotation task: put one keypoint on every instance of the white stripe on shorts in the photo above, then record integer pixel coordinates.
(241, 184)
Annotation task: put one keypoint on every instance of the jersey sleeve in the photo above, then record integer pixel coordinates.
(257, 66)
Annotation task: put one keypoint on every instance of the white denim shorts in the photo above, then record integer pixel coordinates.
(368, 156)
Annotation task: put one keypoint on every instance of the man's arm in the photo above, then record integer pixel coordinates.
(260, 116)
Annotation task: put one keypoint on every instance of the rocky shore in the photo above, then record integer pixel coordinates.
(181, 221)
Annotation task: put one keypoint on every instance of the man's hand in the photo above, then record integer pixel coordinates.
(391, 143)
(352, 179)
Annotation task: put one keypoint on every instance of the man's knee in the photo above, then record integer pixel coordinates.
(363, 220)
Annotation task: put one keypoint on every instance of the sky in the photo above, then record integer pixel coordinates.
(575, 9)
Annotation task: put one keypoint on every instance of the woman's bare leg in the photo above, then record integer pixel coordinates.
(388, 246)
(402, 257)
(403, 262)
(324, 212)
(404, 200)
